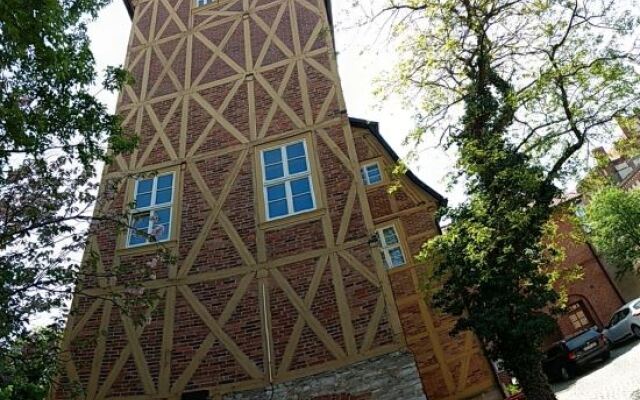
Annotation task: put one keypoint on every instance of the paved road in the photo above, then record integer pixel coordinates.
(618, 379)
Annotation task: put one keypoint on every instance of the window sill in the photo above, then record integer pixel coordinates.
(293, 219)
(375, 186)
(401, 268)
(146, 248)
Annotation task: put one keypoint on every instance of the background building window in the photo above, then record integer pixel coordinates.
(203, 2)
(371, 174)
(152, 209)
(391, 249)
(288, 189)
(578, 317)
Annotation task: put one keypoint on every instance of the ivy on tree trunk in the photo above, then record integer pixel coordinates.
(516, 88)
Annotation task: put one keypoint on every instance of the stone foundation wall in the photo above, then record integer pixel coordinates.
(389, 377)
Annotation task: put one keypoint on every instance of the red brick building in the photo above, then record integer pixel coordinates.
(292, 271)
(593, 299)
(625, 172)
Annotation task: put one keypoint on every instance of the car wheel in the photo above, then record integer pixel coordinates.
(565, 374)
(636, 331)
(606, 356)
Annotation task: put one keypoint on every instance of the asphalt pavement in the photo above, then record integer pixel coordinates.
(616, 379)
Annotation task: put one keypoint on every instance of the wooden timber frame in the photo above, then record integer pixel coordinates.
(239, 309)
(451, 368)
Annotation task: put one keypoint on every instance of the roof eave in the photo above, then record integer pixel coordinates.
(129, 6)
(374, 128)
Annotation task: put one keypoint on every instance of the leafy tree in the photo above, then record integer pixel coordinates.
(26, 367)
(53, 135)
(612, 218)
(517, 88)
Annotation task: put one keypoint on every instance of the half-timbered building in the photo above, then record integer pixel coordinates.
(292, 271)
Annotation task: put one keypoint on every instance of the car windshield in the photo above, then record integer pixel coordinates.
(637, 306)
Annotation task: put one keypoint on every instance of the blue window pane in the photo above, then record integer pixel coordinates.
(162, 216)
(143, 200)
(135, 240)
(165, 181)
(145, 186)
(373, 179)
(297, 165)
(278, 208)
(397, 258)
(374, 175)
(276, 193)
(272, 157)
(274, 171)
(163, 196)
(295, 150)
(140, 225)
(300, 186)
(390, 236)
(302, 202)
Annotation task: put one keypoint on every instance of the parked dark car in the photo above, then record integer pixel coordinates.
(565, 358)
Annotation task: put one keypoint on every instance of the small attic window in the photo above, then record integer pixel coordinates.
(200, 3)
(371, 174)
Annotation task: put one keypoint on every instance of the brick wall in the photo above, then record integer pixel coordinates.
(245, 302)
(595, 290)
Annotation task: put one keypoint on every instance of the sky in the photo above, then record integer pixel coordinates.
(359, 65)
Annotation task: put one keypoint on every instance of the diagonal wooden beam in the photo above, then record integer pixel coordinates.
(215, 214)
(310, 319)
(360, 267)
(277, 98)
(164, 379)
(274, 105)
(322, 133)
(217, 52)
(167, 67)
(374, 323)
(98, 354)
(346, 216)
(138, 356)
(209, 341)
(220, 119)
(243, 360)
(309, 297)
(466, 362)
(271, 33)
(125, 354)
(205, 133)
(77, 328)
(344, 309)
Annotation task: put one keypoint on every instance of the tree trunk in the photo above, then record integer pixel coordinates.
(534, 383)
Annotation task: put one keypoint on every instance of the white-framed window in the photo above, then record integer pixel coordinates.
(150, 219)
(390, 247)
(203, 2)
(287, 183)
(371, 174)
